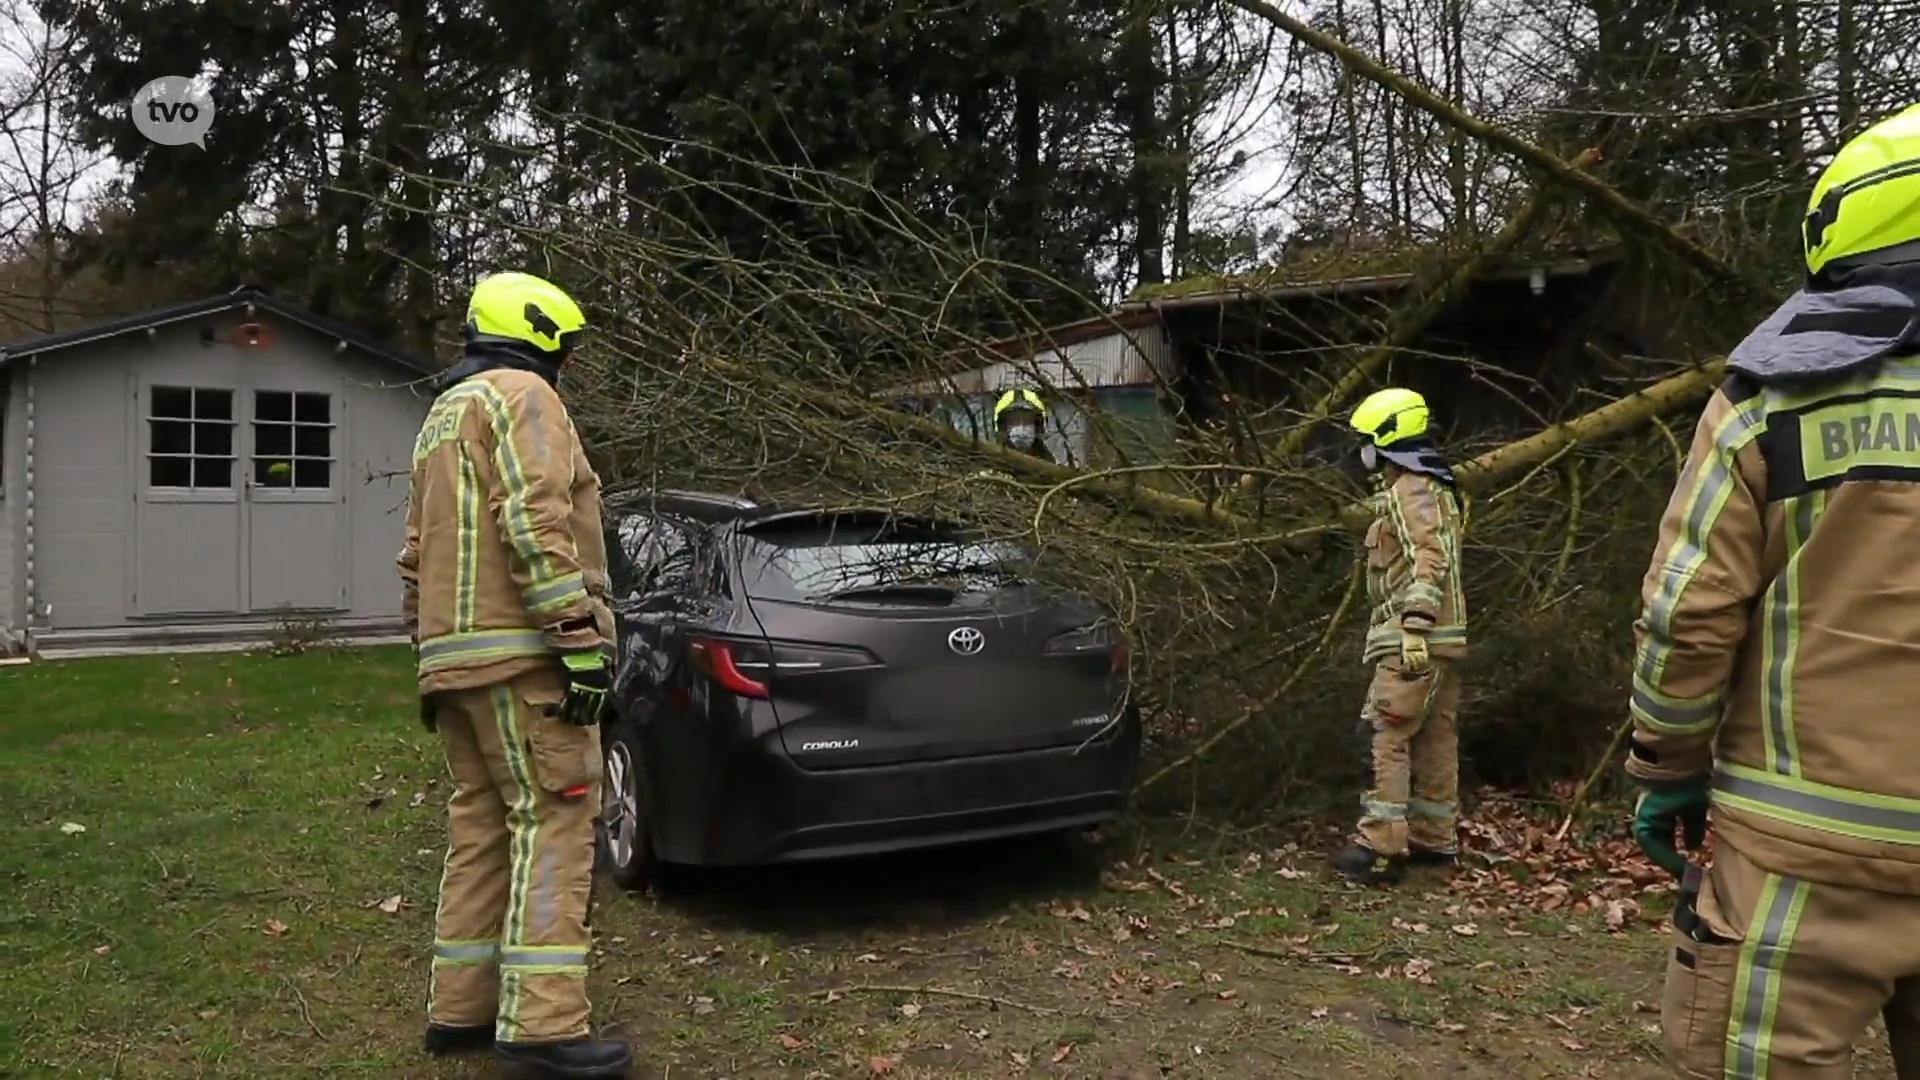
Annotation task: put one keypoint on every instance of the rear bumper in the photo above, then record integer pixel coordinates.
(773, 811)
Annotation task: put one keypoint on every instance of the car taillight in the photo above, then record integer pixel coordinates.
(1092, 641)
(746, 667)
(716, 660)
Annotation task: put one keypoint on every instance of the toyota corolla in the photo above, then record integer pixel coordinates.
(796, 683)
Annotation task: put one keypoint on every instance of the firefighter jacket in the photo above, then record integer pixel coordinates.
(1778, 646)
(1413, 567)
(505, 563)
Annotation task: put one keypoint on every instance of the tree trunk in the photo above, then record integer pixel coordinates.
(1140, 110)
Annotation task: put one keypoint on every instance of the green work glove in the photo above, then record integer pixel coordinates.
(1659, 812)
(1413, 653)
(589, 677)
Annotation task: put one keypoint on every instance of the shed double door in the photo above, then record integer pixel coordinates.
(240, 500)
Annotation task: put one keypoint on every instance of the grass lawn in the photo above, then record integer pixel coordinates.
(225, 866)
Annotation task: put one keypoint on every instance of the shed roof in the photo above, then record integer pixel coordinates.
(1384, 272)
(247, 296)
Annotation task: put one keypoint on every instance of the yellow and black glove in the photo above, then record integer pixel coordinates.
(589, 677)
(1414, 659)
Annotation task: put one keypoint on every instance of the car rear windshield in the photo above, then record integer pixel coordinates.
(813, 559)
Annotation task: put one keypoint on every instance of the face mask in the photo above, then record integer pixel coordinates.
(1021, 436)
(1370, 457)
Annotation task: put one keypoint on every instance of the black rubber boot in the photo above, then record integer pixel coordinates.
(1362, 864)
(1429, 857)
(567, 1059)
(443, 1039)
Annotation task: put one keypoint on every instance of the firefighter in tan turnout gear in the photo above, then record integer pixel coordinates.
(1777, 670)
(1417, 632)
(504, 573)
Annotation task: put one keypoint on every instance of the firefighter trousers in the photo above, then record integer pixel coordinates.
(1791, 975)
(1415, 757)
(511, 936)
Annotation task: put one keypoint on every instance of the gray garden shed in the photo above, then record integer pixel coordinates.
(205, 475)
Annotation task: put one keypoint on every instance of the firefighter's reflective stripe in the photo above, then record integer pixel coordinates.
(561, 591)
(1675, 716)
(1795, 800)
(544, 959)
(1712, 485)
(478, 647)
(1376, 810)
(1780, 639)
(1419, 595)
(466, 952)
(516, 523)
(1385, 640)
(458, 954)
(1432, 811)
(467, 552)
(523, 827)
(1756, 983)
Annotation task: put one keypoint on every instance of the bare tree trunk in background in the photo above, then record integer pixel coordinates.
(1141, 113)
(339, 208)
(1398, 220)
(1183, 121)
(1790, 135)
(1846, 66)
(410, 234)
(1454, 48)
(1349, 91)
(1029, 184)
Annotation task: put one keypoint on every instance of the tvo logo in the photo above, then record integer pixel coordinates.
(173, 110)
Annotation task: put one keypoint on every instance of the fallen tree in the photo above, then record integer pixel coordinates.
(759, 378)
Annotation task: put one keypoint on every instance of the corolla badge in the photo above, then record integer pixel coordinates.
(966, 641)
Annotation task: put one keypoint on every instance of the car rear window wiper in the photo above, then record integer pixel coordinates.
(930, 590)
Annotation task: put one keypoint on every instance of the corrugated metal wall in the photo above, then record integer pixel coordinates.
(1142, 357)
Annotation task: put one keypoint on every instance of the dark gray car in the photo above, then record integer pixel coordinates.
(796, 683)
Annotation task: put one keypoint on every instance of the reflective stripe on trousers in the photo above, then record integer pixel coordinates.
(1756, 985)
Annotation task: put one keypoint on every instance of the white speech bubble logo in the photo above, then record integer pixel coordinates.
(173, 110)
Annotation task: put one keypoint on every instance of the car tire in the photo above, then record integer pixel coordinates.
(624, 847)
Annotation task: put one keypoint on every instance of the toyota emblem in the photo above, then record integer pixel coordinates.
(966, 641)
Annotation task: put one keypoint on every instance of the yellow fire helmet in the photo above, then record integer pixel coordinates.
(1389, 416)
(1868, 198)
(1022, 399)
(523, 310)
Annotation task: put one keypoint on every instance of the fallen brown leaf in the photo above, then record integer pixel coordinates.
(881, 1066)
(1060, 1053)
(790, 1041)
(275, 927)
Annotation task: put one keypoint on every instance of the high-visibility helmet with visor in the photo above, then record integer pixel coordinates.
(1867, 200)
(526, 313)
(1023, 427)
(1388, 419)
